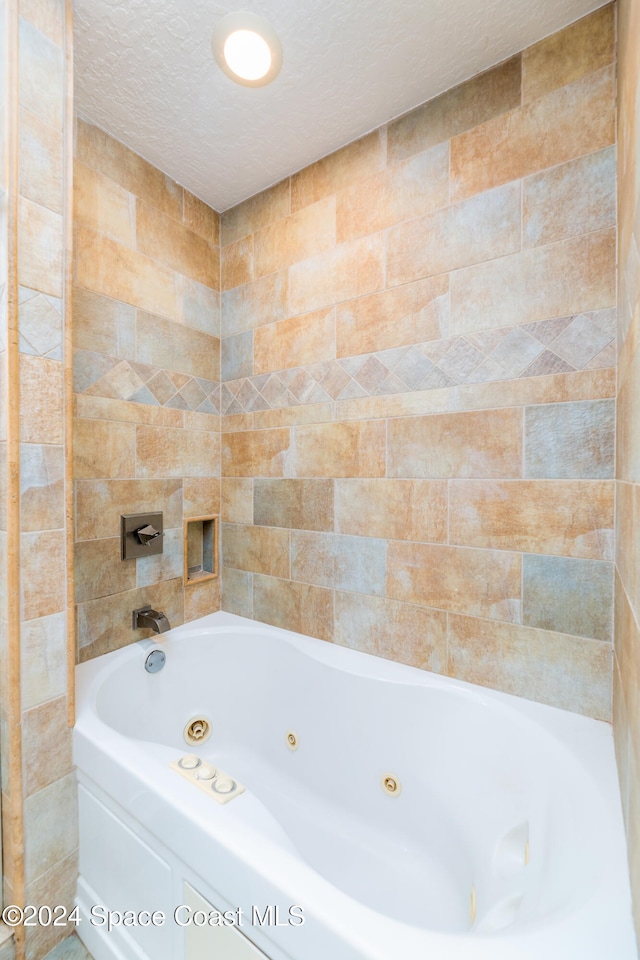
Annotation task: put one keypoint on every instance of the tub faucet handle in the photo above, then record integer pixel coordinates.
(147, 534)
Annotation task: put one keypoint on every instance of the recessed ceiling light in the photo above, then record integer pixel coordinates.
(247, 48)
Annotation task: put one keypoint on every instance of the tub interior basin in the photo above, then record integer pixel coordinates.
(485, 828)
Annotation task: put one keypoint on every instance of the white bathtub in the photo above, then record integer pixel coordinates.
(501, 799)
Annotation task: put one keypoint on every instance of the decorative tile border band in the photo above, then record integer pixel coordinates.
(99, 375)
(561, 345)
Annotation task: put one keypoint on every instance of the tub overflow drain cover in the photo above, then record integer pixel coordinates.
(391, 785)
(197, 730)
(292, 740)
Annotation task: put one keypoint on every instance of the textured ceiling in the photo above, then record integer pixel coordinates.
(145, 73)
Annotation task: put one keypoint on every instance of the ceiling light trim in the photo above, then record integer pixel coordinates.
(253, 22)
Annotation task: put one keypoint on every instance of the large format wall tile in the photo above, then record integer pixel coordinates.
(555, 280)
(237, 263)
(457, 110)
(484, 227)
(570, 440)
(100, 204)
(295, 342)
(41, 75)
(44, 660)
(256, 549)
(41, 408)
(167, 452)
(98, 150)
(255, 453)
(402, 192)
(293, 606)
(100, 502)
(566, 672)
(103, 449)
(200, 218)
(341, 449)
(103, 325)
(482, 444)
(43, 588)
(252, 304)
(40, 248)
(574, 198)
(357, 160)
(568, 595)
(46, 744)
(236, 499)
(51, 826)
(105, 624)
(42, 504)
(109, 268)
(583, 48)
(165, 344)
(256, 212)
(160, 237)
(40, 161)
(564, 517)
(350, 270)
(485, 583)
(297, 504)
(395, 509)
(297, 237)
(100, 571)
(391, 629)
(340, 562)
(410, 313)
(568, 122)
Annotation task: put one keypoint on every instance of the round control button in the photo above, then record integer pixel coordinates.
(190, 762)
(224, 785)
(206, 772)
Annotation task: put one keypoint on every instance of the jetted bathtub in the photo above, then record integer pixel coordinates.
(401, 815)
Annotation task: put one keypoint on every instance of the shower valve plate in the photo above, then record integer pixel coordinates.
(131, 546)
(206, 785)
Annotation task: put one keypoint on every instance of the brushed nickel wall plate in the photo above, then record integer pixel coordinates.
(141, 535)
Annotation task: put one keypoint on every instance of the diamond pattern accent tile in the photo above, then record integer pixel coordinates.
(559, 345)
(606, 358)
(89, 368)
(581, 341)
(546, 331)
(177, 402)
(274, 391)
(179, 379)
(517, 350)
(162, 388)
(193, 394)
(39, 323)
(460, 360)
(413, 369)
(104, 376)
(336, 381)
(548, 363)
(301, 385)
(371, 374)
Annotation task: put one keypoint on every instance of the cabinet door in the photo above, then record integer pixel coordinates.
(215, 943)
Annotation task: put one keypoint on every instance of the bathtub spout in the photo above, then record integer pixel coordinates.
(145, 617)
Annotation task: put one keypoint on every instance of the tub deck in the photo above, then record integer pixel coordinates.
(504, 841)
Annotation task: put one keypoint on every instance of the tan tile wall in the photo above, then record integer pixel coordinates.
(626, 697)
(418, 400)
(4, 267)
(36, 741)
(146, 372)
